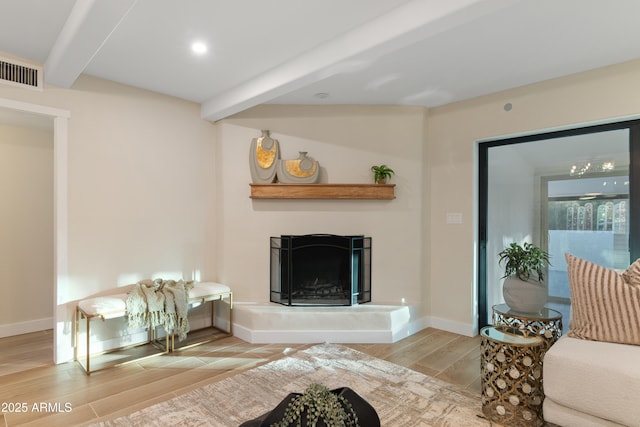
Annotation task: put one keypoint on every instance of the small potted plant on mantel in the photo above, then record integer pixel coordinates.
(523, 289)
(381, 174)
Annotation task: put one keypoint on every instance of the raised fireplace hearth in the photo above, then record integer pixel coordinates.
(320, 270)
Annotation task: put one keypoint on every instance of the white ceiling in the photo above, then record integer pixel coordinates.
(405, 52)
(557, 156)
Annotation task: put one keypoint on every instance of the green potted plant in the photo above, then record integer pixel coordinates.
(318, 406)
(523, 289)
(381, 173)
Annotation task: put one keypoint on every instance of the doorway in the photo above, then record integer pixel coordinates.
(567, 191)
(62, 350)
(26, 229)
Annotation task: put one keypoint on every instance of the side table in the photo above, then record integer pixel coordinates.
(511, 373)
(547, 324)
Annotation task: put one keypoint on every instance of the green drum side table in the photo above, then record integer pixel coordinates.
(511, 373)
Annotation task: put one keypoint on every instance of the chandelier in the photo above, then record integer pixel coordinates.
(588, 167)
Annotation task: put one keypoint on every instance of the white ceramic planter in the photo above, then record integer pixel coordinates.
(525, 297)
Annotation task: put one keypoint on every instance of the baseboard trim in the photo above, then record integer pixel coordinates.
(466, 329)
(11, 329)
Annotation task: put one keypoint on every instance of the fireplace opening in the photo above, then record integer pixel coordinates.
(320, 269)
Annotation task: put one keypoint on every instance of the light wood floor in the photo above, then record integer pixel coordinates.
(28, 377)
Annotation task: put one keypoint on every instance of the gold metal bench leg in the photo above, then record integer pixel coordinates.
(75, 333)
(213, 311)
(230, 313)
(79, 315)
(211, 299)
(152, 337)
(230, 297)
(88, 332)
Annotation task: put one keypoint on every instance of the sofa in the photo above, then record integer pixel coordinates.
(591, 383)
(592, 374)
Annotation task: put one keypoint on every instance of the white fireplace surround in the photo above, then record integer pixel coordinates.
(260, 323)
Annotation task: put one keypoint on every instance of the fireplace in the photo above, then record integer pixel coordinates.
(320, 270)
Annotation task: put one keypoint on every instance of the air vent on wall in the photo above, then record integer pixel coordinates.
(20, 74)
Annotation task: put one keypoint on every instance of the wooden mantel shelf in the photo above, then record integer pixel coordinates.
(323, 191)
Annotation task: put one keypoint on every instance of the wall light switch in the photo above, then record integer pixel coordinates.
(454, 218)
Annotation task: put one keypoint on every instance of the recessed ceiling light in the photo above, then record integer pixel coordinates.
(199, 48)
(321, 95)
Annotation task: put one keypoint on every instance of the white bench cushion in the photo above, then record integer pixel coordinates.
(204, 289)
(109, 306)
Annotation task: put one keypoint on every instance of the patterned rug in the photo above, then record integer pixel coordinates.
(401, 397)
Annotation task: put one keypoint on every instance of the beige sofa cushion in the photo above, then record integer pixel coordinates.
(605, 304)
(598, 378)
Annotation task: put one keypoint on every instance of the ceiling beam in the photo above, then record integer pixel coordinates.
(88, 27)
(414, 21)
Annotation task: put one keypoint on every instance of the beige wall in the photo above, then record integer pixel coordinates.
(141, 190)
(346, 141)
(141, 187)
(606, 94)
(26, 227)
(508, 174)
(156, 191)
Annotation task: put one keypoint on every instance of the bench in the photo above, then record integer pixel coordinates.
(113, 306)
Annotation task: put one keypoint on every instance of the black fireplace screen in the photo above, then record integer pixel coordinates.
(320, 269)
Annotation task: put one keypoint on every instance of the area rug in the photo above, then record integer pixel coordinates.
(401, 397)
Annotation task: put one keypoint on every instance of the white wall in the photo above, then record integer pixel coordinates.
(156, 191)
(346, 141)
(512, 211)
(141, 187)
(141, 190)
(26, 229)
(606, 94)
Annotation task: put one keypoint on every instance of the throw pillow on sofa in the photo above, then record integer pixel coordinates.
(605, 304)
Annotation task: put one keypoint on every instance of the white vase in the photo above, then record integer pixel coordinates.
(263, 158)
(303, 170)
(524, 296)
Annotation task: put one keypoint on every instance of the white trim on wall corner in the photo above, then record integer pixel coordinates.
(27, 327)
(466, 329)
(34, 108)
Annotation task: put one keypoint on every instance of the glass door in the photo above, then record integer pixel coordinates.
(567, 192)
